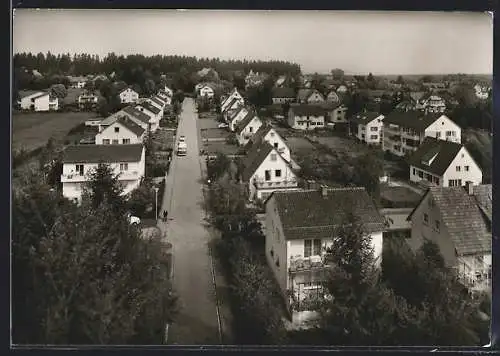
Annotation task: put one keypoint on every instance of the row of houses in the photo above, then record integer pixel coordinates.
(118, 142)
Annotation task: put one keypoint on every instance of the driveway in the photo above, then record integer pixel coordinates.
(193, 278)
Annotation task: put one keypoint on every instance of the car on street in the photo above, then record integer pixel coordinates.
(222, 125)
(133, 220)
(182, 138)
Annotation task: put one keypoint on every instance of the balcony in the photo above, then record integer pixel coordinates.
(411, 136)
(76, 177)
(299, 264)
(260, 184)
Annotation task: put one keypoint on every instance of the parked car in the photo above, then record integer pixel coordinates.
(133, 220)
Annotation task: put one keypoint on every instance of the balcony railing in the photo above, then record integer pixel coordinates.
(312, 263)
(76, 177)
(276, 184)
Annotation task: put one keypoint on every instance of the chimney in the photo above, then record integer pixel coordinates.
(469, 187)
(324, 190)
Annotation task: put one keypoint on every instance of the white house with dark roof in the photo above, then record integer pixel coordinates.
(168, 91)
(309, 96)
(122, 132)
(443, 163)
(404, 132)
(132, 113)
(236, 116)
(336, 113)
(247, 128)
(266, 133)
(165, 97)
(300, 227)
(77, 82)
(87, 101)
(306, 117)
(128, 96)
(369, 127)
(232, 107)
(206, 91)
(37, 101)
(283, 95)
(156, 102)
(127, 161)
(433, 103)
(458, 220)
(265, 171)
(153, 112)
(235, 94)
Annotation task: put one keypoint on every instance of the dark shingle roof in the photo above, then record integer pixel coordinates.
(412, 119)
(25, 93)
(258, 137)
(468, 229)
(246, 120)
(307, 214)
(483, 195)
(365, 117)
(308, 109)
(445, 152)
(254, 159)
(132, 126)
(157, 101)
(303, 94)
(150, 107)
(283, 93)
(39, 95)
(104, 153)
(236, 112)
(233, 100)
(136, 113)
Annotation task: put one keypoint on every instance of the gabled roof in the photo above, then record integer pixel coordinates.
(150, 107)
(230, 104)
(254, 159)
(443, 151)
(40, 95)
(26, 93)
(132, 126)
(283, 93)
(245, 121)
(308, 109)
(157, 100)
(136, 113)
(307, 214)
(303, 94)
(412, 119)
(417, 95)
(236, 112)
(104, 153)
(259, 135)
(366, 117)
(126, 88)
(465, 223)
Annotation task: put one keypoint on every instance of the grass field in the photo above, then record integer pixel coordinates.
(344, 145)
(72, 95)
(32, 130)
(299, 144)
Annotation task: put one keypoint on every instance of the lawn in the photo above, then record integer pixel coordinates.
(72, 95)
(208, 124)
(215, 147)
(32, 130)
(299, 144)
(398, 197)
(341, 144)
(215, 134)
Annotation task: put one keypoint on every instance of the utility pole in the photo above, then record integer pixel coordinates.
(156, 202)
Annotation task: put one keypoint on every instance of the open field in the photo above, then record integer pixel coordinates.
(299, 144)
(32, 130)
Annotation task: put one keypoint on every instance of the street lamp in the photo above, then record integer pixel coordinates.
(156, 202)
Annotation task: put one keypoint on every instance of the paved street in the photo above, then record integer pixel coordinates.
(192, 268)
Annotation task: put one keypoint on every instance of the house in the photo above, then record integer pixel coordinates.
(333, 97)
(309, 96)
(156, 102)
(266, 133)
(283, 95)
(87, 101)
(232, 107)
(300, 228)
(236, 116)
(37, 101)
(229, 100)
(163, 95)
(482, 92)
(397, 224)
(306, 117)
(458, 220)
(253, 79)
(93, 122)
(282, 82)
(266, 171)
(433, 104)
(128, 96)
(336, 113)
(342, 89)
(153, 112)
(132, 113)
(369, 127)
(127, 161)
(121, 132)
(443, 163)
(377, 95)
(77, 82)
(206, 91)
(247, 127)
(168, 91)
(406, 105)
(405, 131)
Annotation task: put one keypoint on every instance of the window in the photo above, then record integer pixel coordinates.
(115, 142)
(455, 183)
(123, 166)
(312, 247)
(126, 141)
(426, 219)
(250, 129)
(277, 173)
(449, 133)
(457, 168)
(466, 168)
(277, 262)
(117, 129)
(421, 174)
(273, 157)
(276, 145)
(374, 128)
(267, 175)
(437, 225)
(316, 247)
(272, 134)
(105, 141)
(373, 137)
(438, 134)
(307, 248)
(79, 169)
(414, 171)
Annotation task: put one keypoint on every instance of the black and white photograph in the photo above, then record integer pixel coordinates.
(237, 177)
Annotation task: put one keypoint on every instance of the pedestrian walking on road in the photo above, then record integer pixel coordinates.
(165, 215)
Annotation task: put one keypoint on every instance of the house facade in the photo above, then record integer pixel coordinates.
(333, 97)
(87, 101)
(77, 82)
(283, 95)
(247, 128)
(300, 227)
(128, 96)
(336, 113)
(443, 163)
(267, 134)
(38, 101)
(122, 132)
(266, 171)
(234, 95)
(127, 161)
(138, 117)
(237, 116)
(309, 96)
(458, 221)
(434, 104)
(206, 92)
(230, 109)
(369, 127)
(405, 131)
(154, 114)
(306, 117)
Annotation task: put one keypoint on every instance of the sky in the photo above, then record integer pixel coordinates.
(357, 42)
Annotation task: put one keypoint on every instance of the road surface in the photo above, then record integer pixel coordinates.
(193, 280)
